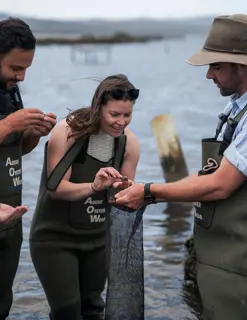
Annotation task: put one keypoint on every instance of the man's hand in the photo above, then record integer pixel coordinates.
(49, 121)
(8, 213)
(23, 120)
(31, 137)
(132, 197)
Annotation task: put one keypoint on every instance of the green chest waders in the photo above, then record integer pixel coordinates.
(65, 224)
(220, 236)
(71, 238)
(11, 194)
(55, 221)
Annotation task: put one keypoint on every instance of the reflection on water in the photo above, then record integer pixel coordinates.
(164, 84)
(166, 298)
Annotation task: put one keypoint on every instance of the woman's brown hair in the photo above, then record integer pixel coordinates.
(86, 121)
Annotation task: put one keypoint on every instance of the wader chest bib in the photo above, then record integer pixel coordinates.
(10, 156)
(220, 230)
(80, 220)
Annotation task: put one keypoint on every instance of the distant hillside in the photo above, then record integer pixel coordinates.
(97, 27)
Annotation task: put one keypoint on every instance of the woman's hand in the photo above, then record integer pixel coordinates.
(105, 178)
(123, 184)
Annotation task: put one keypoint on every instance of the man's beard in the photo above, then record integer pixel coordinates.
(3, 83)
(226, 92)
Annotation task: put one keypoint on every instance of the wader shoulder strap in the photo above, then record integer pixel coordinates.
(119, 151)
(240, 114)
(64, 164)
(222, 119)
(230, 128)
(16, 98)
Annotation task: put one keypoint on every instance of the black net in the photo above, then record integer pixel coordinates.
(125, 284)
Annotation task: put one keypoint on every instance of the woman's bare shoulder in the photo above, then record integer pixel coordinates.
(60, 134)
(131, 137)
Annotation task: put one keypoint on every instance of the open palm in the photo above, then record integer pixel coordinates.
(8, 213)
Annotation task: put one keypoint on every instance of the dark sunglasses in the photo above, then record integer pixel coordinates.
(119, 94)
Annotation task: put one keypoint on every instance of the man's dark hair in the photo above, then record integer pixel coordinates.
(15, 33)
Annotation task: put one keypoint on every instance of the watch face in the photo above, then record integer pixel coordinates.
(150, 199)
(147, 194)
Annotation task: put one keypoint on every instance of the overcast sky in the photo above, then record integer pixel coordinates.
(115, 9)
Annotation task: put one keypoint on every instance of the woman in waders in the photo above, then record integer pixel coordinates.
(87, 152)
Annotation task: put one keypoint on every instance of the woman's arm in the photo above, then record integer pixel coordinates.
(58, 145)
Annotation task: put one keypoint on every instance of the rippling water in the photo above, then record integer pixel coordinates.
(168, 85)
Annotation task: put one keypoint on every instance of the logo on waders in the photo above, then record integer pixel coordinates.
(211, 164)
(94, 212)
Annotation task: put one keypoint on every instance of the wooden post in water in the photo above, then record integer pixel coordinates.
(169, 148)
(174, 168)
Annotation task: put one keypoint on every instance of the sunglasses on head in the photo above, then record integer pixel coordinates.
(119, 94)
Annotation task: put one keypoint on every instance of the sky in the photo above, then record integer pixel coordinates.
(117, 9)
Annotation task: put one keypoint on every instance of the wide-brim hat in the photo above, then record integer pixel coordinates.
(226, 42)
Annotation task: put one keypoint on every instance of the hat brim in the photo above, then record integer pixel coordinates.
(205, 57)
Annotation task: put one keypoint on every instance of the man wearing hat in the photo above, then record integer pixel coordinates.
(219, 189)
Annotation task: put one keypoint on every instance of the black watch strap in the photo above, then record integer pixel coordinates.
(148, 197)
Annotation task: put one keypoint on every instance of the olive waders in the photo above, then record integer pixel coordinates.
(68, 238)
(220, 236)
(11, 194)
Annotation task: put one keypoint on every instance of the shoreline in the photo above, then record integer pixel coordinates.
(90, 39)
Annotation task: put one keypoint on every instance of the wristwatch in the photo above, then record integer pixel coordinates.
(148, 197)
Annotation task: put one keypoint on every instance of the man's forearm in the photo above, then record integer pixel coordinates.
(192, 188)
(29, 142)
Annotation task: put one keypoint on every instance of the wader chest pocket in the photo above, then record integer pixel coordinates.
(204, 213)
